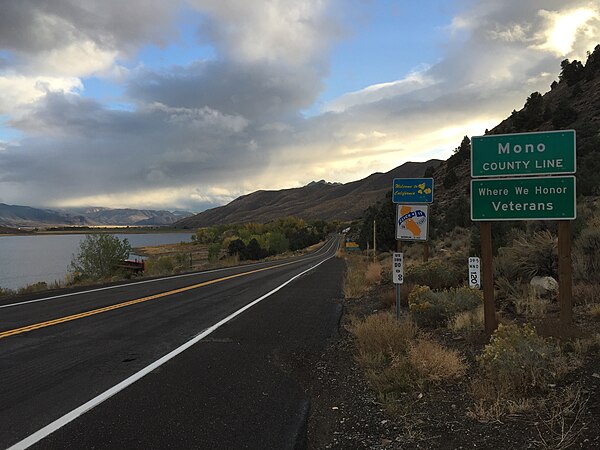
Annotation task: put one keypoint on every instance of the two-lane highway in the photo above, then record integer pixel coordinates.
(61, 356)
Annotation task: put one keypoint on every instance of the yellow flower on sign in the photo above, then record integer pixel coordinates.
(421, 186)
(428, 191)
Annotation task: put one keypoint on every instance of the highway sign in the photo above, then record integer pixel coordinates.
(539, 153)
(523, 198)
(474, 272)
(398, 268)
(412, 222)
(412, 190)
(352, 246)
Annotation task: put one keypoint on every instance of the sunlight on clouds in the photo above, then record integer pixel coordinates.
(167, 198)
(79, 59)
(19, 90)
(563, 27)
(278, 31)
(412, 82)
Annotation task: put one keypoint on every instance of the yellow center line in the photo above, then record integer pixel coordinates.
(93, 312)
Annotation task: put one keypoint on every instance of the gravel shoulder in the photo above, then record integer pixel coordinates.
(347, 414)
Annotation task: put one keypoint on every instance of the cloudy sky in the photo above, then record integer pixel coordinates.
(191, 103)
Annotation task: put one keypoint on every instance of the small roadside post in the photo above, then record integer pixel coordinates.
(474, 272)
(398, 277)
(411, 196)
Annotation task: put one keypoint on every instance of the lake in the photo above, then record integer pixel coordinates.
(28, 259)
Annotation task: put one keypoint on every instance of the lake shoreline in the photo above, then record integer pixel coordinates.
(95, 230)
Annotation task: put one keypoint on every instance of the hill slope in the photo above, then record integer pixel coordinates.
(572, 103)
(315, 201)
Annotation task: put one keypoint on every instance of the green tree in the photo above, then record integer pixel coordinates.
(564, 115)
(99, 256)
(572, 72)
(277, 243)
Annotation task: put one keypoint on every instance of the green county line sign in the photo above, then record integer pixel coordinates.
(523, 198)
(539, 153)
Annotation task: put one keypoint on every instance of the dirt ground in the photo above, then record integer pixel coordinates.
(346, 413)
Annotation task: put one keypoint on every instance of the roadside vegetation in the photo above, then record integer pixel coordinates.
(525, 374)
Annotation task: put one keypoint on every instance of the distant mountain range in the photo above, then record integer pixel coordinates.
(317, 200)
(25, 216)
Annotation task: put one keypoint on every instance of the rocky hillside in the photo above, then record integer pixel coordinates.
(317, 200)
(573, 102)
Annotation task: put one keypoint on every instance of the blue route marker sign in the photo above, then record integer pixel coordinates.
(412, 190)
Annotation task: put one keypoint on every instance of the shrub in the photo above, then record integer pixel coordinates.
(388, 297)
(435, 363)
(587, 255)
(529, 256)
(397, 358)
(517, 360)
(163, 265)
(594, 311)
(438, 273)
(99, 256)
(382, 334)
(426, 307)
(431, 308)
(472, 320)
(214, 251)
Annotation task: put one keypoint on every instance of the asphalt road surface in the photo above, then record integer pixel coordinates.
(193, 361)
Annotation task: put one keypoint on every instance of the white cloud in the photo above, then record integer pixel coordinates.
(77, 59)
(413, 82)
(18, 91)
(271, 30)
(563, 27)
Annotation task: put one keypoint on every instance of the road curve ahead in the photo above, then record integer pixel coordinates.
(194, 361)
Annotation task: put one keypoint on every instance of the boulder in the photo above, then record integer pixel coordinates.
(544, 285)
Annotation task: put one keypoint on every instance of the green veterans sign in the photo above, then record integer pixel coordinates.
(524, 198)
(539, 153)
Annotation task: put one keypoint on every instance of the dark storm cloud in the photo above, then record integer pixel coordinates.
(84, 145)
(257, 90)
(34, 26)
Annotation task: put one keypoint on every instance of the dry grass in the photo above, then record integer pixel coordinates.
(560, 418)
(381, 333)
(435, 363)
(594, 311)
(398, 358)
(530, 304)
(586, 293)
(490, 406)
(361, 275)
(468, 321)
(373, 273)
(581, 347)
(388, 297)
(355, 284)
(524, 297)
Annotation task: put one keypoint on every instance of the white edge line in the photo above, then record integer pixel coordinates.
(9, 305)
(69, 417)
